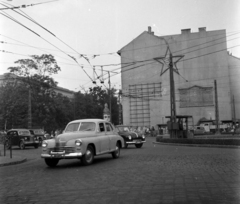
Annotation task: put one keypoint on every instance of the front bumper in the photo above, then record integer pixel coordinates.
(136, 142)
(62, 155)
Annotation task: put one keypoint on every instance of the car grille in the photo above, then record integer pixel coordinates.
(61, 149)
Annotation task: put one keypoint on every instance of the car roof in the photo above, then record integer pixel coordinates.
(18, 129)
(89, 120)
(122, 125)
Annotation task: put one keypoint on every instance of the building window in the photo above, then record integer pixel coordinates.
(196, 96)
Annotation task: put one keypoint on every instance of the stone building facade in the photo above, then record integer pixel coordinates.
(199, 59)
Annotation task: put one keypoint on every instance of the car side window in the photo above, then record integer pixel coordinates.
(101, 127)
(109, 127)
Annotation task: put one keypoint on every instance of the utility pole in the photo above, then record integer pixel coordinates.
(110, 100)
(119, 108)
(172, 98)
(234, 113)
(216, 107)
(29, 108)
(167, 62)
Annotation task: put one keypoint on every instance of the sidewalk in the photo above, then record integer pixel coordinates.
(6, 160)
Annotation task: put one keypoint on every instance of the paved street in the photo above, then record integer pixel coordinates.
(152, 174)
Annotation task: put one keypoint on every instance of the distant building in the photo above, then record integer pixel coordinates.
(58, 89)
(146, 94)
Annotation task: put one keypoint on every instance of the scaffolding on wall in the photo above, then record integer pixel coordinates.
(140, 96)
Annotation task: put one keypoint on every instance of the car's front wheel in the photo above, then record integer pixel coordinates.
(116, 153)
(51, 162)
(22, 145)
(138, 145)
(88, 157)
(36, 146)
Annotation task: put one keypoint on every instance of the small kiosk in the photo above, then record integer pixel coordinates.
(179, 129)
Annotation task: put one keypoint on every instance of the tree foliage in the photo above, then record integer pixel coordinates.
(50, 110)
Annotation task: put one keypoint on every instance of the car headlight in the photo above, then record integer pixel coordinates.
(25, 138)
(78, 142)
(129, 137)
(143, 136)
(44, 144)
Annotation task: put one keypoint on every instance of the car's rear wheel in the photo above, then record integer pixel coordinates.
(116, 153)
(36, 146)
(22, 145)
(88, 157)
(138, 145)
(51, 162)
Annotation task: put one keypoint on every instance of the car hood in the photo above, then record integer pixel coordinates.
(74, 135)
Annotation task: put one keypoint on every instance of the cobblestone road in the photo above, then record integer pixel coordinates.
(152, 174)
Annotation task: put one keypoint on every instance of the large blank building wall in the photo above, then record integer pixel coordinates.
(203, 63)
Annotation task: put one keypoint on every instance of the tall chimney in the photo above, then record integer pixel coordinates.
(150, 30)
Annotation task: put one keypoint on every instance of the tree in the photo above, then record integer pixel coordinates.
(13, 97)
(34, 74)
(91, 104)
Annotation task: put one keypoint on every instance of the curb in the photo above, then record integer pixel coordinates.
(14, 162)
(198, 145)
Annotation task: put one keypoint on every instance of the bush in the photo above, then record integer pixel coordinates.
(235, 142)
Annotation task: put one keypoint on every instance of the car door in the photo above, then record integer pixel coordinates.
(111, 135)
(104, 138)
(15, 138)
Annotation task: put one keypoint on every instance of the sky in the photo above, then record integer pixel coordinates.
(84, 35)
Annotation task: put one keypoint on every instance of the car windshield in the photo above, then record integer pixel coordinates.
(24, 132)
(87, 126)
(84, 126)
(72, 127)
(39, 132)
(121, 128)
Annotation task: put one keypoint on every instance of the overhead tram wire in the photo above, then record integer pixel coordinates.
(24, 6)
(173, 52)
(45, 40)
(25, 44)
(82, 55)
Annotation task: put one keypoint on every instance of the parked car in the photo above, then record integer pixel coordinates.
(39, 133)
(131, 137)
(199, 130)
(83, 139)
(21, 138)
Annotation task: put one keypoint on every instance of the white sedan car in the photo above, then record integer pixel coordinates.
(83, 139)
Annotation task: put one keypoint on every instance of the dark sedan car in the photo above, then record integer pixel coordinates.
(21, 138)
(131, 137)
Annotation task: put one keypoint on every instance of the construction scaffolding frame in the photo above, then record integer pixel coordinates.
(140, 96)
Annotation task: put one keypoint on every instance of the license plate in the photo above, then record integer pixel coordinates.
(57, 155)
